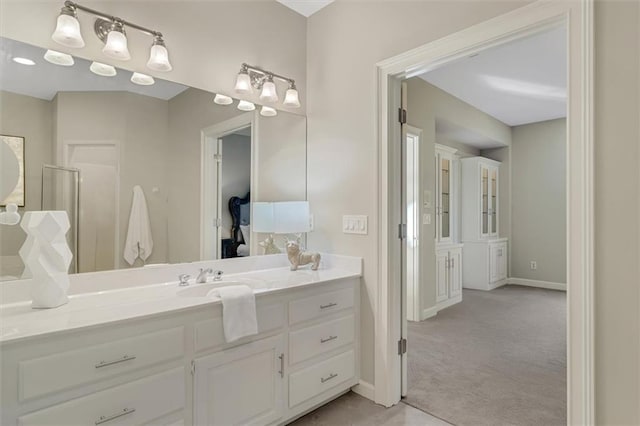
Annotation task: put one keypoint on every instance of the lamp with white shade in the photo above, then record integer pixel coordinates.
(284, 217)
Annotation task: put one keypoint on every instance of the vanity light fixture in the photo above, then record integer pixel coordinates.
(103, 70)
(222, 99)
(58, 58)
(23, 61)
(111, 30)
(246, 106)
(263, 80)
(267, 111)
(142, 79)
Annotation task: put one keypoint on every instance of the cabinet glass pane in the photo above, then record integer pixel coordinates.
(485, 200)
(494, 200)
(445, 178)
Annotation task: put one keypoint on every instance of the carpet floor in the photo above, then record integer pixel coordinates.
(497, 358)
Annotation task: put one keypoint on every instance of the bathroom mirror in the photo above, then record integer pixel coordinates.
(91, 137)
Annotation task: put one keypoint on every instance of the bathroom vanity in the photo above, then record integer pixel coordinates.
(127, 350)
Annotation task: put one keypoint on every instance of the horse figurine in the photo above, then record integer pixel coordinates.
(297, 257)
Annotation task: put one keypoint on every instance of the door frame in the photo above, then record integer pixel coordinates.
(529, 19)
(208, 168)
(413, 306)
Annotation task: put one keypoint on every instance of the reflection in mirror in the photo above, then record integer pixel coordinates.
(91, 136)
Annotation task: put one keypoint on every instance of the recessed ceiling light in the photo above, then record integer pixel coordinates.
(58, 58)
(23, 61)
(222, 99)
(103, 70)
(142, 79)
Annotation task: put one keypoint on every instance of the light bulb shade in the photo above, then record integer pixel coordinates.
(243, 83)
(222, 99)
(58, 58)
(246, 106)
(142, 79)
(159, 58)
(67, 32)
(291, 98)
(116, 46)
(269, 93)
(102, 69)
(267, 111)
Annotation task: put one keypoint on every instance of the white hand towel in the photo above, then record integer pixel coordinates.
(238, 311)
(139, 243)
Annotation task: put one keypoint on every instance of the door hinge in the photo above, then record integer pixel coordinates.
(402, 115)
(402, 346)
(217, 157)
(402, 231)
(217, 222)
(193, 368)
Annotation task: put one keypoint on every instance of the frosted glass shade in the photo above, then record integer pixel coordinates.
(269, 93)
(102, 69)
(67, 32)
(116, 46)
(142, 79)
(267, 111)
(243, 83)
(284, 217)
(222, 99)
(246, 106)
(291, 99)
(159, 59)
(58, 58)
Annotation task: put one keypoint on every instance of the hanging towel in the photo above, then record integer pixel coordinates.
(139, 242)
(238, 311)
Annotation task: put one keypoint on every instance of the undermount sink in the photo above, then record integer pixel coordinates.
(201, 290)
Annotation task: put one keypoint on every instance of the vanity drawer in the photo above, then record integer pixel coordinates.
(312, 381)
(210, 333)
(321, 338)
(65, 370)
(140, 402)
(319, 305)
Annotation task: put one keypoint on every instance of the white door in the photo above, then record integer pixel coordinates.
(403, 242)
(413, 223)
(455, 272)
(240, 386)
(501, 262)
(442, 275)
(210, 247)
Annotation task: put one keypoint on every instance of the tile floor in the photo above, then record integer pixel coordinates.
(353, 410)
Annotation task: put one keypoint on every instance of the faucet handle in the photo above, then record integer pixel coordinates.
(184, 279)
(217, 275)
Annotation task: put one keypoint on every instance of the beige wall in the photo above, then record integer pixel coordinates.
(425, 105)
(538, 180)
(207, 40)
(617, 298)
(31, 118)
(345, 41)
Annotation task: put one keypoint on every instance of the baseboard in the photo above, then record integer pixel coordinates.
(365, 389)
(449, 302)
(536, 283)
(429, 312)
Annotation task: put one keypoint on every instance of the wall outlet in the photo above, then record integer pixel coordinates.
(534, 265)
(354, 224)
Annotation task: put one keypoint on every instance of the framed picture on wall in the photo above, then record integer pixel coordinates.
(12, 170)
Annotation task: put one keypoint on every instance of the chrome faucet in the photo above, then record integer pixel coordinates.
(217, 275)
(184, 279)
(204, 273)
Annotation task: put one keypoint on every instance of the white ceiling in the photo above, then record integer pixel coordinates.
(305, 7)
(452, 131)
(524, 81)
(43, 80)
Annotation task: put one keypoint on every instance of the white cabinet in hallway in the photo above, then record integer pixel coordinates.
(242, 385)
(448, 275)
(485, 266)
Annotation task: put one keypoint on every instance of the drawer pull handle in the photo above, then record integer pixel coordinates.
(326, 379)
(281, 358)
(115, 361)
(330, 305)
(328, 339)
(124, 412)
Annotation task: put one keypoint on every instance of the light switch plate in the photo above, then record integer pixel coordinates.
(354, 224)
(426, 219)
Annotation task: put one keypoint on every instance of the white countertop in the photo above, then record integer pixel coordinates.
(19, 321)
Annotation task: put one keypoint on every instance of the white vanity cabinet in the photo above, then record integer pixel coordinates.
(448, 275)
(175, 368)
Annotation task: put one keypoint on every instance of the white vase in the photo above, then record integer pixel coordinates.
(46, 256)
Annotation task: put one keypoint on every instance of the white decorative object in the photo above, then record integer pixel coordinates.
(297, 257)
(270, 246)
(10, 216)
(47, 257)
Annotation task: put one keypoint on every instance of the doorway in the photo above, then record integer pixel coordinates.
(518, 23)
